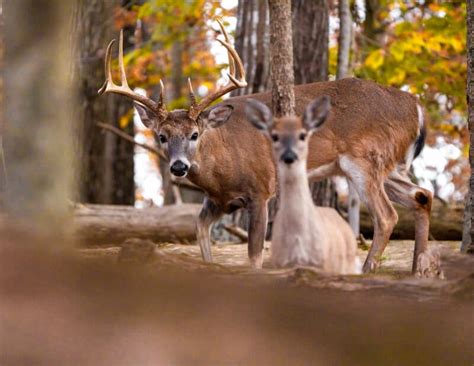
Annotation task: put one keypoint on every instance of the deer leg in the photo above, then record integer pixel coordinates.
(369, 185)
(384, 218)
(258, 218)
(209, 214)
(401, 190)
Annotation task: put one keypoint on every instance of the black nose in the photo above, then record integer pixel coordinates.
(289, 157)
(179, 168)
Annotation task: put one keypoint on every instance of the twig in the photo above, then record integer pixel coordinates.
(125, 136)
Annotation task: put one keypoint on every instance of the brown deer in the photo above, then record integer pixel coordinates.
(303, 234)
(371, 136)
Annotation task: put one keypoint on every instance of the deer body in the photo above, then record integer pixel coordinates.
(303, 234)
(307, 235)
(371, 136)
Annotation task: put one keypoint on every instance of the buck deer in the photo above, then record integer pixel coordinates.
(371, 136)
(303, 234)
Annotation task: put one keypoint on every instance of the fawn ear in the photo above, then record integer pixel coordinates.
(316, 113)
(259, 114)
(147, 117)
(217, 116)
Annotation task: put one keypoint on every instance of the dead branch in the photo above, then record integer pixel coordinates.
(127, 137)
(238, 232)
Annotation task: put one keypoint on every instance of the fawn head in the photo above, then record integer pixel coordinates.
(289, 134)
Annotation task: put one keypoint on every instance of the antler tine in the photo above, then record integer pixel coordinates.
(108, 72)
(239, 65)
(192, 96)
(162, 92)
(235, 63)
(110, 87)
(123, 76)
(226, 37)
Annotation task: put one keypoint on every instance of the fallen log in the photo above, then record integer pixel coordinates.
(109, 225)
(446, 222)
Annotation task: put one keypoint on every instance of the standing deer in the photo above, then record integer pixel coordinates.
(371, 136)
(303, 234)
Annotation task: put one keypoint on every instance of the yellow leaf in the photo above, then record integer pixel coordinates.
(124, 120)
(375, 59)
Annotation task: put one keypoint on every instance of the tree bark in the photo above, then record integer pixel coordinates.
(310, 40)
(468, 241)
(104, 225)
(251, 41)
(344, 39)
(281, 46)
(106, 162)
(37, 137)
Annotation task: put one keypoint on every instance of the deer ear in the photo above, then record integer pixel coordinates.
(316, 113)
(258, 114)
(147, 117)
(217, 116)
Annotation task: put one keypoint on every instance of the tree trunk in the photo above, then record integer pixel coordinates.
(251, 41)
(106, 172)
(281, 46)
(260, 80)
(310, 40)
(103, 225)
(343, 56)
(467, 245)
(310, 55)
(344, 39)
(37, 136)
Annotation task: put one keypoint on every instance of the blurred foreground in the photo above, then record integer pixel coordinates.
(161, 305)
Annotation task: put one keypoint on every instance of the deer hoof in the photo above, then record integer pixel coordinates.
(428, 265)
(370, 266)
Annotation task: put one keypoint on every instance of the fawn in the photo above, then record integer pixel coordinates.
(303, 234)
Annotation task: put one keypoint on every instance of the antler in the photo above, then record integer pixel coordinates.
(123, 89)
(234, 63)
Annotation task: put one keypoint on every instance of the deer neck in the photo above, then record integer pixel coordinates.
(293, 182)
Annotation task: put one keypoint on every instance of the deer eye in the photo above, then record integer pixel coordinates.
(275, 137)
(194, 136)
(163, 139)
(302, 136)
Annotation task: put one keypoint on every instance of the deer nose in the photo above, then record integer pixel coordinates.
(178, 168)
(289, 157)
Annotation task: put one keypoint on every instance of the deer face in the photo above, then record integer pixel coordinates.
(289, 135)
(179, 135)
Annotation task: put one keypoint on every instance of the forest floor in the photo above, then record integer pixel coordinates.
(394, 276)
(148, 304)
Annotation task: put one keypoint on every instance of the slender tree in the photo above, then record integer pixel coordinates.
(343, 62)
(281, 54)
(468, 237)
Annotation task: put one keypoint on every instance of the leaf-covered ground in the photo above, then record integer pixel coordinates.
(393, 278)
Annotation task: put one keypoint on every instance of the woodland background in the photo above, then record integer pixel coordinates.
(418, 46)
(61, 303)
